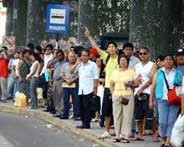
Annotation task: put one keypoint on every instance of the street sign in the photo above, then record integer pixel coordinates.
(57, 18)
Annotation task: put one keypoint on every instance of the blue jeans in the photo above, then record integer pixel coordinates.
(66, 93)
(34, 84)
(11, 83)
(167, 116)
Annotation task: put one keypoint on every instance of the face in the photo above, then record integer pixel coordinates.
(98, 62)
(59, 56)
(48, 51)
(111, 49)
(26, 55)
(32, 58)
(143, 55)
(71, 57)
(159, 63)
(180, 59)
(123, 62)
(168, 62)
(128, 51)
(16, 55)
(84, 57)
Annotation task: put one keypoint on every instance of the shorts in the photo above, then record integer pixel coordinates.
(107, 103)
(142, 109)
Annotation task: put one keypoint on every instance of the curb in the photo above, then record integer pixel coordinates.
(62, 124)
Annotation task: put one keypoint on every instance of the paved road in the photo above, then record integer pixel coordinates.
(23, 131)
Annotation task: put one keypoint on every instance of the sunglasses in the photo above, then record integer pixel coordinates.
(144, 53)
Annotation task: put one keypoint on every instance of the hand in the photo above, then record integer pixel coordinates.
(87, 33)
(151, 104)
(20, 79)
(27, 77)
(69, 82)
(139, 92)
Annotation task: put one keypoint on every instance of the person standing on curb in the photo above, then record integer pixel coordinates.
(145, 71)
(3, 75)
(70, 88)
(56, 66)
(111, 61)
(128, 50)
(88, 82)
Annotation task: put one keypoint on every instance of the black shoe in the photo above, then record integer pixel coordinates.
(101, 123)
(83, 127)
(57, 115)
(62, 117)
(53, 112)
(46, 110)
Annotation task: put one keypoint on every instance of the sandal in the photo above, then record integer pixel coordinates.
(155, 139)
(116, 139)
(124, 140)
(139, 139)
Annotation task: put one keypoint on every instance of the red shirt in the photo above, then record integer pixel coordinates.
(4, 68)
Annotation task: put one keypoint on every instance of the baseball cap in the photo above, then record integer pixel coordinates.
(180, 51)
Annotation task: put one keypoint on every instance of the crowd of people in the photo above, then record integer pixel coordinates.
(127, 91)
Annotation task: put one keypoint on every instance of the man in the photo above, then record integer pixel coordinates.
(70, 87)
(3, 75)
(56, 66)
(111, 61)
(145, 71)
(180, 65)
(88, 82)
(48, 56)
(128, 51)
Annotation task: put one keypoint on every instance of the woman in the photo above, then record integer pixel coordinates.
(34, 76)
(122, 82)
(23, 69)
(167, 112)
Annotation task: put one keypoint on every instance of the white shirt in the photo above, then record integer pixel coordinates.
(170, 79)
(87, 74)
(133, 61)
(36, 74)
(143, 72)
(47, 58)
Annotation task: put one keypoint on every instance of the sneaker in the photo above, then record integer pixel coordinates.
(105, 135)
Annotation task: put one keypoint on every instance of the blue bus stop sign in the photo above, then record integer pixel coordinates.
(57, 18)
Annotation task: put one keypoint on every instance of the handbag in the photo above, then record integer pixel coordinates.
(173, 97)
(124, 100)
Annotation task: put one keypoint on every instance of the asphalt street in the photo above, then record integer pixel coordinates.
(24, 131)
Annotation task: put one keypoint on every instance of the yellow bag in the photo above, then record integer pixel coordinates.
(20, 100)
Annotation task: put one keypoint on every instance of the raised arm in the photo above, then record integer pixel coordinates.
(92, 41)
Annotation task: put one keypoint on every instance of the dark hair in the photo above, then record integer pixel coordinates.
(159, 57)
(36, 56)
(111, 42)
(30, 45)
(39, 49)
(50, 46)
(25, 51)
(60, 51)
(85, 50)
(145, 48)
(123, 56)
(170, 55)
(128, 44)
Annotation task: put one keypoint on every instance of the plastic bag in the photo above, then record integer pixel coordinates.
(177, 136)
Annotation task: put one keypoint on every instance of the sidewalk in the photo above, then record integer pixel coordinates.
(69, 125)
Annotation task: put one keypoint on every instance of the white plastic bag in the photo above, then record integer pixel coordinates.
(177, 136)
